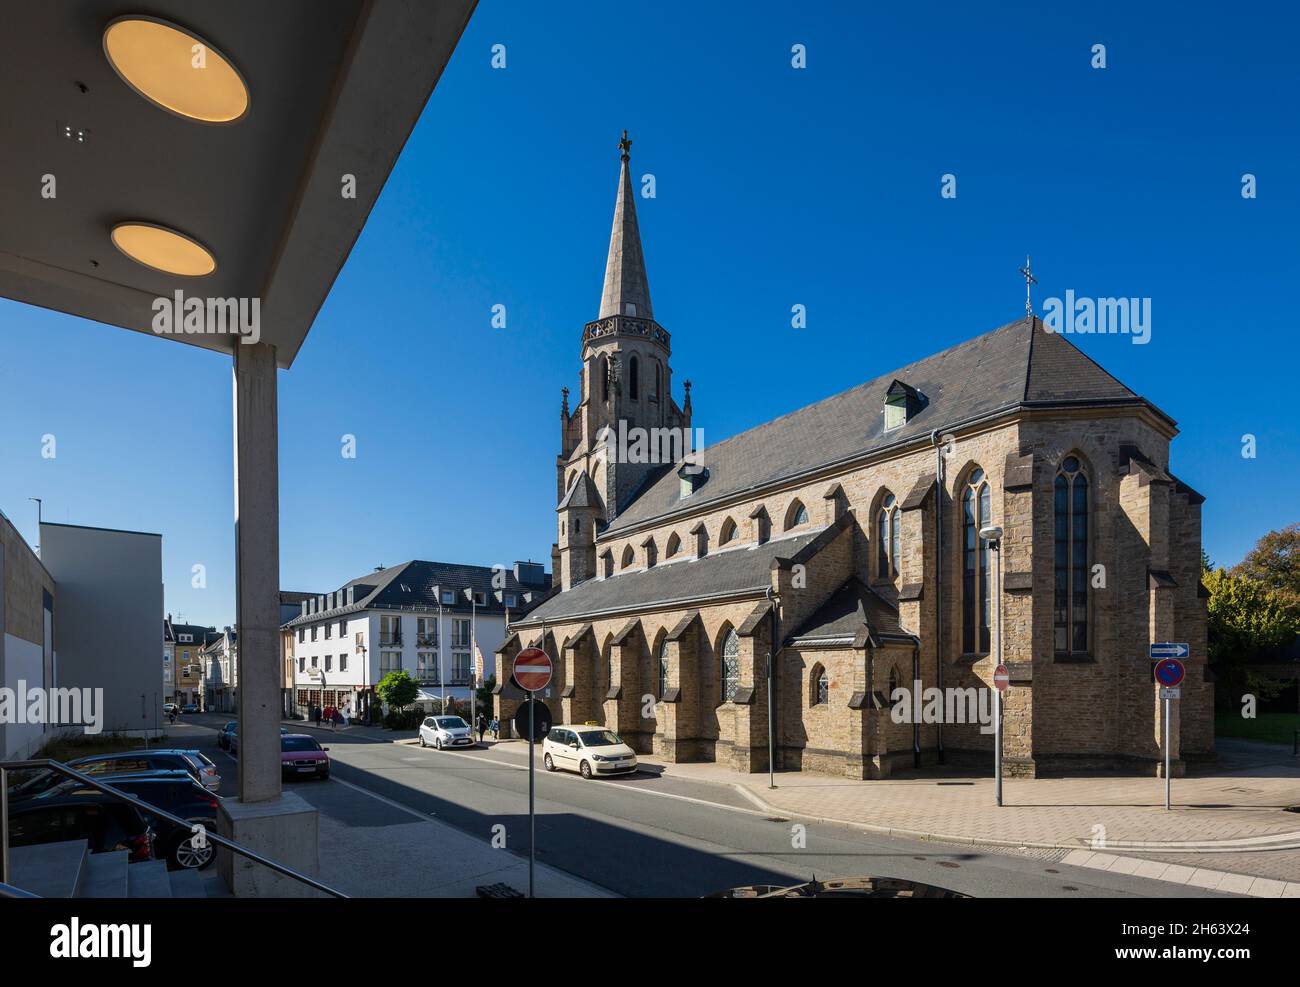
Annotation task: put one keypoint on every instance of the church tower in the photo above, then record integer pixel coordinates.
(626, 386)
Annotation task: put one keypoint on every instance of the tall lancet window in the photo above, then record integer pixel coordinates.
(1070, 605)
(634, 378)
(730, 666)
(888, 539)
(977, 591)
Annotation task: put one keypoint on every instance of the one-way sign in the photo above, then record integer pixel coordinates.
(1169, 649)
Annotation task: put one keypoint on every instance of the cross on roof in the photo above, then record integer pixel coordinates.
(624, 145)
(1029, 280)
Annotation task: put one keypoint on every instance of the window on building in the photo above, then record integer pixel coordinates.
(730, 666)
(663, 669)
(633, 378)
(302, 634)
(1070, 605)
(460, 633)
(673, 547)
(629, 557)
(389, 661)
(343, 629)
(329, 663)
(602, 370)
(887, 538)
(460, 668)
(314, 630)
(329, 631)
(448, 597)
(390, 630)
(343, 663)
(728, 532)
(796, 515)
(426, 667)
(659, 380)
(821, 687)
(426, 632)
(480, 599)
(977, 594)
(302, 663)
(895, 411)
(315, 662)
(509, 599)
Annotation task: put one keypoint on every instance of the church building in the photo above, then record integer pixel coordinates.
(782, 594)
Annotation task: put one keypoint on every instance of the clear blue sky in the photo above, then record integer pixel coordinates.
(775, 187)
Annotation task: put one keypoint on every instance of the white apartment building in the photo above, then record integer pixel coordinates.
(421, 617)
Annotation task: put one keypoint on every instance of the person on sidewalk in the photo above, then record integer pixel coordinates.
(315, 714)
(496, 728)
(482, 727)
(347, 714)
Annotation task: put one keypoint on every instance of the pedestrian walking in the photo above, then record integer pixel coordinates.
(315, 714)
(482, 727)
(496, 728)
(347, 714)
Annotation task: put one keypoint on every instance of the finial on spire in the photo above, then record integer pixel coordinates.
(624, 146)
(1029, 280)
(564, 403)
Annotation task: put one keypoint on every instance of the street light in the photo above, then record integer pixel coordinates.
(992, 537)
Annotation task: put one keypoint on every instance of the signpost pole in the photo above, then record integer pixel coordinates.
(532, 819)
(1168, 706)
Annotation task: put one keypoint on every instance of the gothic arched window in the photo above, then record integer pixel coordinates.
(659, 380)
(629, 556)
(888, 538)
(663, 669)
(1070, 605)
(796, 515)
(728, 531)
(634, 378)
(820, 693)
(977, 593)
(673, 547)
(730, 666)
(602, 368)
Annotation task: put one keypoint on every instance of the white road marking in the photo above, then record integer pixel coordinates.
(387, 801)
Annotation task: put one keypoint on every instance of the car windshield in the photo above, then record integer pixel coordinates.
(452, 723)
(598, 738)
(298, 744)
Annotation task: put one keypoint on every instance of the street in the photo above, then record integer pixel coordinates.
(644, 835)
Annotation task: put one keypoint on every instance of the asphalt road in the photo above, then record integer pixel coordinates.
(651, 836)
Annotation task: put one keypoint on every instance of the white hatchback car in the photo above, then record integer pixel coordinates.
(588, 750)
(445, 731)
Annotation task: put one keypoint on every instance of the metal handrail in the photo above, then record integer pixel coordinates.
(60, 768)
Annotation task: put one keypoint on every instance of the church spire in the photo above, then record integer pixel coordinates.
(627, 289)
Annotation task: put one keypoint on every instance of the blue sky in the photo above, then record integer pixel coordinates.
(775, 187)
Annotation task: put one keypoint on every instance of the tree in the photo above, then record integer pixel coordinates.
(397, 689)
(1275, 561)
(483, 695)
(1246, 617)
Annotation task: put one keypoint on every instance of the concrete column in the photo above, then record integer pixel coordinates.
(257, 570)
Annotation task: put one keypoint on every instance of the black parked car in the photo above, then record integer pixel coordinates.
(226, 732)
(135, 762)
(178, 793)
(102, 821)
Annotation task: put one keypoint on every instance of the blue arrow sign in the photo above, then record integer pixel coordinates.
(1169, 649)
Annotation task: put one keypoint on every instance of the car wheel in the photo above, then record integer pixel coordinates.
(585, 768)
(437, 742)
(422, 743)
(324, 775)
(184, 855)
(546, 760)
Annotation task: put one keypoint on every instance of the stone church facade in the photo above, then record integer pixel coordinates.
(833, 556)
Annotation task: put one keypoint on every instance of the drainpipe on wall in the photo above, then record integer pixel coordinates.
(938, 576)
(916, 723)
(773, 599)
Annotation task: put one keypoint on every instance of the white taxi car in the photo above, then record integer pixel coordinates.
(445, 731)
(588, 750)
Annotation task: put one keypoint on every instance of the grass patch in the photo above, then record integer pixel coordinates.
(1277, 728)
(70, 748)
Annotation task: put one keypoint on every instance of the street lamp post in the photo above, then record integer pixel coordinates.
(473, 651)
(992, 537)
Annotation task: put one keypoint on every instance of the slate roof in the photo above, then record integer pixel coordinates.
(415, 586)
(852, 607)
(1020, 364)
(722, 573)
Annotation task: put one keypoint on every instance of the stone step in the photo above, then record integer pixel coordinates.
(105, 875)
(148, 879)
(51, 870)
(187, 884)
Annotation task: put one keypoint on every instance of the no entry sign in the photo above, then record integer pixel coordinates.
(1001, 678)
(533, 669)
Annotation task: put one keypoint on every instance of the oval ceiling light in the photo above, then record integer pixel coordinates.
(175, 69)
(163, 250)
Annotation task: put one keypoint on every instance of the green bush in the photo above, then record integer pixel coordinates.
(402, 719)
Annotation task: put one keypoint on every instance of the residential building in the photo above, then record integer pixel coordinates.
(182, 670)
(841, 546)
(219, 660)
(290, 606)
(422, 617)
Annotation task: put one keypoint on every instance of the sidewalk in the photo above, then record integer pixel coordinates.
(1228, 820)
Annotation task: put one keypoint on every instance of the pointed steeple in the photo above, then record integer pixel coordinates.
(627, 289)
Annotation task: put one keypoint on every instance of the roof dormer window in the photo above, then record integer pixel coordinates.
(692, 478)
(902, 401)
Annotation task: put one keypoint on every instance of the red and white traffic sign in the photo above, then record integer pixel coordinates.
(1001, 678)
(533, 669)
